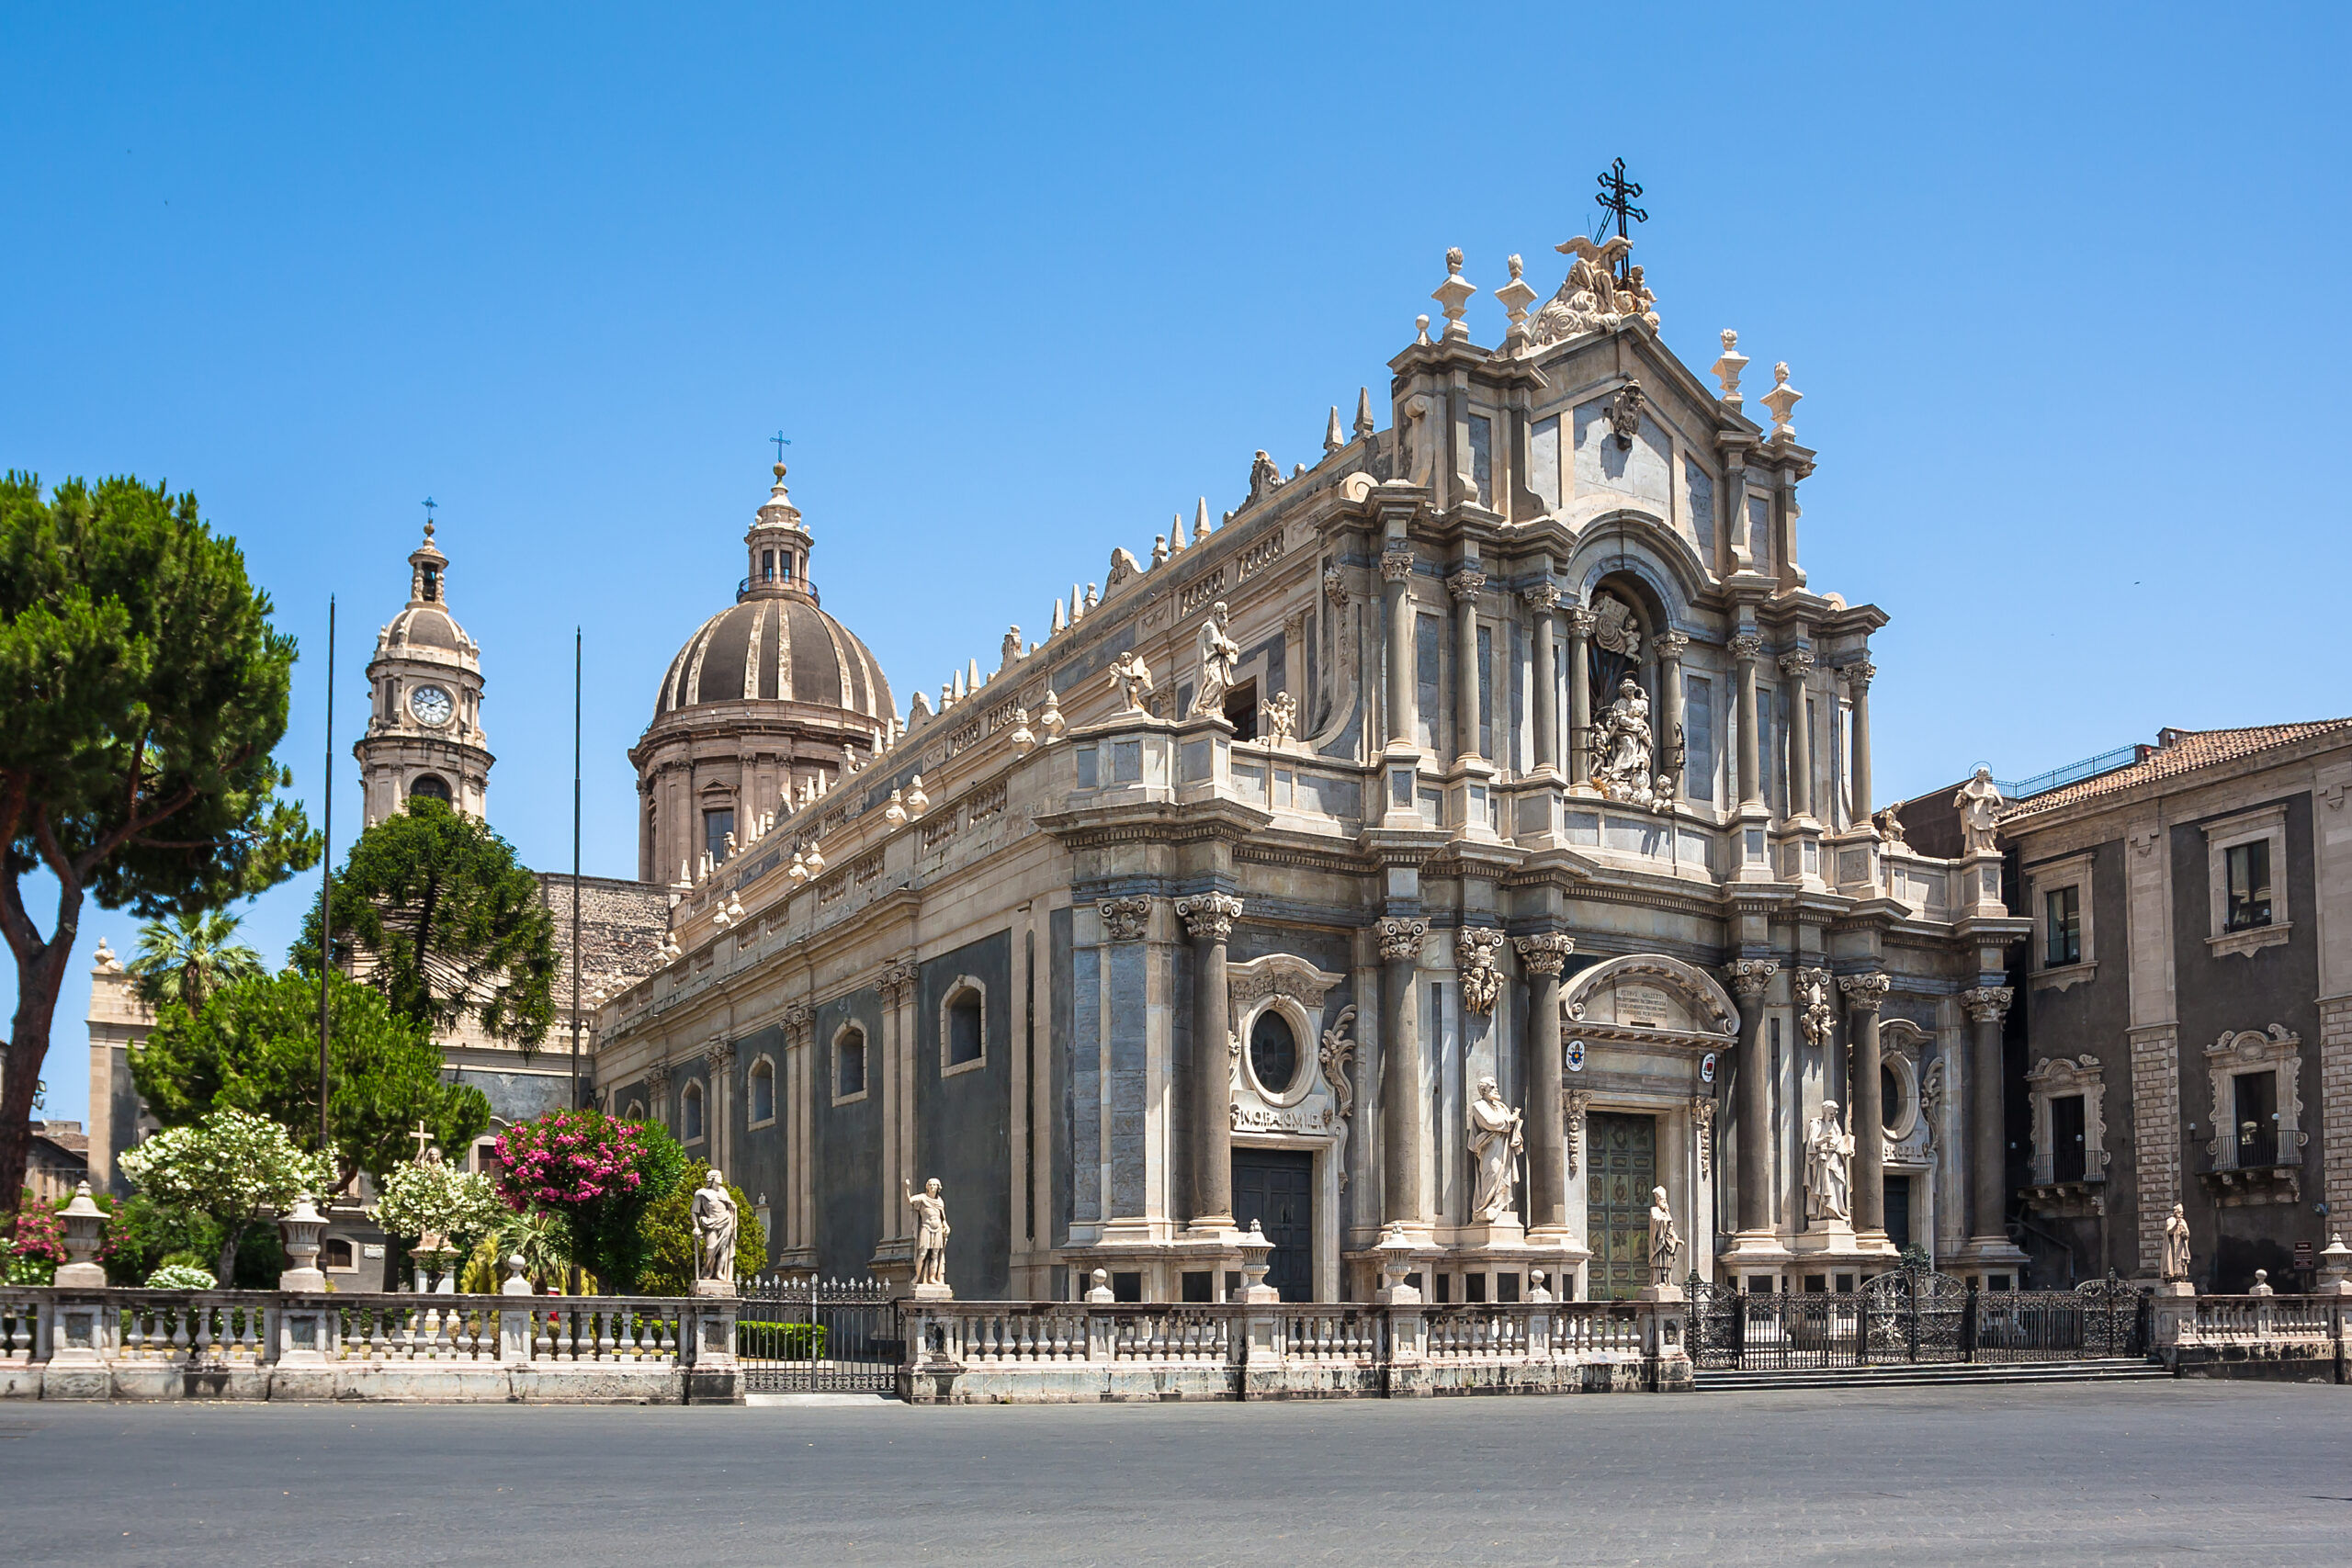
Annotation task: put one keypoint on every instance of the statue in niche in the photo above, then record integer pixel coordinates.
(1626, 746)
(1497, 1135)
(1828, 1186)
(2176, 1265)
(1666, 1242)
(1980, 803)
(1133, 679)
(1219, 656)
(715, 1222)
(930, 1234)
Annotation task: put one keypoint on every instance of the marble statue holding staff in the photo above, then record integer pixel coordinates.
(1666, 1242)
(716, 1223)
(2176, 1245)
(1496, 1136)
(1828, 1193)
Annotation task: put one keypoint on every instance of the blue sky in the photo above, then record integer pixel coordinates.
(2062, 286)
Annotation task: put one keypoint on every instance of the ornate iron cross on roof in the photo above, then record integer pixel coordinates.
(1617, 195)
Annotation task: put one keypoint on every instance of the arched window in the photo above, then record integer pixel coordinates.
(849, 1063)
(635, 1112)
(963, 1025)
(689, 1114)
(335, 1252)
(762, 1092)
(429, 786)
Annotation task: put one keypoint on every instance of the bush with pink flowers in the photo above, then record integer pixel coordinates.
(601, 1175)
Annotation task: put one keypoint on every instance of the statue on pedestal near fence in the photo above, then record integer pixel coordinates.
(716, 1223)
(2176, 1245)
(1666, 1242)
(931, 1236)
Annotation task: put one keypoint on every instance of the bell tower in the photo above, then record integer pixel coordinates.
(425, 735)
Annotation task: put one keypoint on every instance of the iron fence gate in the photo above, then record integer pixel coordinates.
(811, 1336)
(1914, 1316)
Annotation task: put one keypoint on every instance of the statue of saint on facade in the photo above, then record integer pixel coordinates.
(1626, 745)
(1828, 1193)
(1132, 678)
(1497, 1135)
(715, 1222)
(1980, 803)
(2176, 1245)
(930, 1234)
(1219, 656)
(1666, 1242)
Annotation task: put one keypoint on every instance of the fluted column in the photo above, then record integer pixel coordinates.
(1670, 647)
(1401, 1132)
(1858, 683)
(1863, 994)
(1396, 573)
(1749, 648)
(1581, 624)
(1541, 601)
(1209, 917)
(719, 1057)
(1466, 585)
(1987, 1144)
(1547, 1176)
(1750, 977)
(1796, 666)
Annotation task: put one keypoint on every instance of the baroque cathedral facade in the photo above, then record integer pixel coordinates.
(1462, 838)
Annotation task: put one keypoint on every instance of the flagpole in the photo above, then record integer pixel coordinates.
(326, 886)
(575, 868)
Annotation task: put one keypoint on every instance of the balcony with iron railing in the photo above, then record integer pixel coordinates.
(2253, 1162)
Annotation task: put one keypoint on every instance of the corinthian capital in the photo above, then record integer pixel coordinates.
(1401, 939)
(1750, 975)
(1988, 1004)
(719, 1055)
(1797, 663)
(1395, 566)
(1864, 992)
(1581, 621)
(1745, 647)
(657, 1078)
(1124, 918)
(1546, 952)
(1209, 916)
(1466, 584)
(1670, 644)
(1542, 597)
(1858, 673)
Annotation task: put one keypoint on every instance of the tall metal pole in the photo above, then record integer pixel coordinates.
(326, 886)
(575, 868)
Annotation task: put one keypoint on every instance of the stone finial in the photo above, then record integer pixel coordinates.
(1782, 400)
(1332, 440)
(1011, 648)
(1516, 296)
(1024, 741)
(1179, 540)
(815, 868)
(104, 959)
(1200, 521)
(1729, 367)
(895, 813)
(1100, 1290)
(516, 1284)
(917, 801)
(1092, 599)
(1421, 328)
(1049, 717)
(1159, 551)
(799, 870)
(1454, 297)
(1077, 605)
(1364, 414)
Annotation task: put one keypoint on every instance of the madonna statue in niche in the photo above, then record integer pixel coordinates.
(1626, 744)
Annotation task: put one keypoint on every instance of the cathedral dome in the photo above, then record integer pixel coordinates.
(776, 649)
(425, 627)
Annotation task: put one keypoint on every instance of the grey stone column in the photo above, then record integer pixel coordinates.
(1863, 994)
(1210, 917)
(1466, 585)
(1748, 648)
(1987, 1145)
(1796, 665)
(1750, 977)
(720, 1059)
(1581, 623)
(1540, 603)
(1401, 1133)
(1858, 681)
(1670, 645)
(1547, 1175)
(1396, 571)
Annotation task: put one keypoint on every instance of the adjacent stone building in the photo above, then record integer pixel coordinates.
(1456, 841)
(2188, 1032)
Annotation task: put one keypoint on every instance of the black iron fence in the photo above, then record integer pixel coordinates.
(810, 1335)
(1911, 1316)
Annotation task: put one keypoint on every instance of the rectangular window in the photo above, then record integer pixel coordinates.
(716, 826)
(1428, 637)
(2249, 873)
(767, 566)
(2062, 919)
(2254, 1099)
(1699, 738)
(1482, 458)
(2066, 1148)
(1487, 692)
(849, 1065)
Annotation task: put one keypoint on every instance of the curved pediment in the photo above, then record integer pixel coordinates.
(1650, 993)
(1615, 536)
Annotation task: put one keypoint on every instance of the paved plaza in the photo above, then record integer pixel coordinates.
(2147, 1474)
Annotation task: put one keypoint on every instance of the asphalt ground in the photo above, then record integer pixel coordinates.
(2140, 1473)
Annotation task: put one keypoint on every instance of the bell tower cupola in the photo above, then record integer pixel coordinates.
(424, 738)
(777, 550)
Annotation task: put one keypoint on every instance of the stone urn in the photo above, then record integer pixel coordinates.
(86, 1225)
(300, 1228)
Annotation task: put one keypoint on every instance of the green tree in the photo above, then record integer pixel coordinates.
(144, 691)
(434, 911)
(182, 961)
(233, 1167)
(669, 1231)
(255, 1047)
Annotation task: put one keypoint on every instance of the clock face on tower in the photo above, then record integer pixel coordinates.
(431, 706)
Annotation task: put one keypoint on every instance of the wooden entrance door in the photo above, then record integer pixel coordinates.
(1620, 1167)
(1276, 1188)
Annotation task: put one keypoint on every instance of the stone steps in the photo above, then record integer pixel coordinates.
(1937, 1375)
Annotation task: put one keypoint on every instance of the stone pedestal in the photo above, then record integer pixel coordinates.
(715, 1288)
(935, 1292)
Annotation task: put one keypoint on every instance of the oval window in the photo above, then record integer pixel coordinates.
(1273, 1052)
(1890, 1099)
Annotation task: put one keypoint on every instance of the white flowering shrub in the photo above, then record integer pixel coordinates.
(232, 1166)
(433, 1199)
(181, 1277)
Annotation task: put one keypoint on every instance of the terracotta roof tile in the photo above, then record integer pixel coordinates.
(2188, 750)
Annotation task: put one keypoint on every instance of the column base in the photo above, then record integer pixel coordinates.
(1990, 1263)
